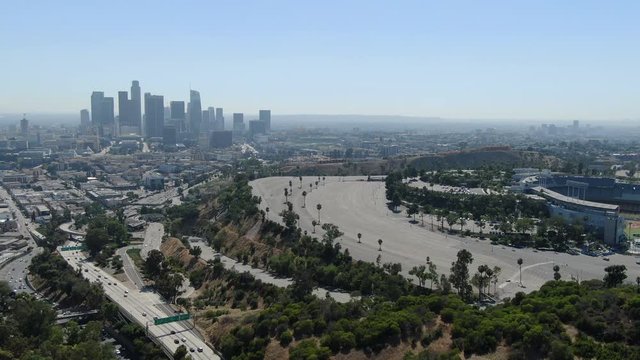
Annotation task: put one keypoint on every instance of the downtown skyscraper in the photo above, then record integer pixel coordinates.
(102, 115)
(195, 113)
(153, 115)
(265, 116)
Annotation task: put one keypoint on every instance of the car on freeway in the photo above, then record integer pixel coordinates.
(200, 349)
(192, 349)
(176, 341)
(605, 259)
(184, 340)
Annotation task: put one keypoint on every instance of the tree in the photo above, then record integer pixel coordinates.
(419, 272)
(319, 207)
(314, 224)
(452, 219)
(615, 275)
(196, 251)
(300, 178)
(395, 201)
(96, 239)
(181, 353)
(520, 266)
(523, 225)
(291, 186)
(267, 211)
(638, 283)
(153, 264)
(412, 210)
(379, 244)
(459, 276)
(556, 273)
(359, 238)
(304, 198)
(286, 195)
(494, 277)
(432, 274)
(331, 232)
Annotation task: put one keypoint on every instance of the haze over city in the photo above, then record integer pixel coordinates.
(493, 60)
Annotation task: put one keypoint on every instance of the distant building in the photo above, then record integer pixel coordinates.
(85, 120)
(265, 115)
(136, 106)
(238, 123)
(195, 113)
(153, 180)
(177, 110)
(102, 114)
(24, 128)
(169, 135)
(219, 119)
(257, 127)
(153, 115)
(221, 139)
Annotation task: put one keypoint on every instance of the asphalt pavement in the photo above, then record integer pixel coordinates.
(358, 206)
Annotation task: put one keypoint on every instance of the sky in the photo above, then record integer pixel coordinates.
(573, 59)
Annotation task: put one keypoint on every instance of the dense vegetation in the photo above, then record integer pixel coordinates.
(484, 177)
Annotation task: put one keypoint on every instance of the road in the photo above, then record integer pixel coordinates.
(66, 227)
(358, 206)
(152, 238)
(129, 267)
(142, 307)
(15, 271)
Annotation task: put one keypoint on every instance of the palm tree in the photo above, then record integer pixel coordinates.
(379, 244)
(304, 199)
(520, 265)
(300, 178)
(286, 195)
(319, 207)
(310, 187)
(316, 184)
(267, 210)
(359, 237)
(638, 282)
(324, 181)
(291, 186)
(314, 224)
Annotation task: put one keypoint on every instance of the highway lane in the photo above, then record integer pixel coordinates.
(358, 206)
(142, 307)
(152, 238)
(129, 267)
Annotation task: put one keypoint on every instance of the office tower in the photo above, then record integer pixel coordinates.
(169, 135)
(212, 118)
(124, 111)
(221, 139)
(195, 113)
(220, 119)
(204, 126)
(96, 109)
(102, 115)
(85, 121)
(136, 106)
(238, 123)
(107, 117)
(153, 115)
(24, 127)
(265, 115)
(177, 110)
(167, 113)
(257, 127)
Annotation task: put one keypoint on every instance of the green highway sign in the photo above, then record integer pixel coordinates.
(72, 248)
(173, 318)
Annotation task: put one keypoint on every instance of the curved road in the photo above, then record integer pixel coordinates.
(358, 206)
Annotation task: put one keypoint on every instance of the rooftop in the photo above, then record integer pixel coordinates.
(569, 200)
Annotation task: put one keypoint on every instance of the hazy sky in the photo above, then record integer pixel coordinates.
(457, 59)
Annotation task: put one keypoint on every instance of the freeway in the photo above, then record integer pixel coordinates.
(141, 307)
(358, 206)
(152, 238)
(66, 227)
(15, 271)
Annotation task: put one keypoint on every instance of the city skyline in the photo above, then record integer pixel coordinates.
(509, 60)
